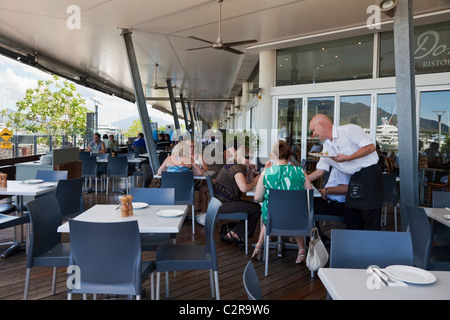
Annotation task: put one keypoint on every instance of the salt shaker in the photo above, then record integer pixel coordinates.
(124, 207)
(130, 205)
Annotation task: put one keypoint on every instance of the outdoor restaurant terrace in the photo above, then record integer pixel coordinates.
(238, 78)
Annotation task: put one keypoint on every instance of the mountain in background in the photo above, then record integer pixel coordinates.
(126, 123)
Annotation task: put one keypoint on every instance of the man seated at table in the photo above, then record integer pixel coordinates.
(332, 201)
(97, 145)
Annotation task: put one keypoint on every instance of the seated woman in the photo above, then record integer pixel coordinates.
(180, 160)
(230, 184)
(282, 176)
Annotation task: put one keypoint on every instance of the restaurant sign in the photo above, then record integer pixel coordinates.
(432, 52)
(6, 135)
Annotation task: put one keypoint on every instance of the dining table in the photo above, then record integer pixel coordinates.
(150, 218)
(362, 284)
(21, 189)
(441, 215)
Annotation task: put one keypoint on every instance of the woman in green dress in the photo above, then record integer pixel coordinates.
(279, 174)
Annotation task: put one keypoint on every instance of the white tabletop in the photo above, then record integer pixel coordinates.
(148, 220)
(206, 173)
(252, 192)
(133, 160)
(354, 284)
(20, 188)
(438, 215)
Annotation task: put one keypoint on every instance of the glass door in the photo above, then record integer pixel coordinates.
(289, 126)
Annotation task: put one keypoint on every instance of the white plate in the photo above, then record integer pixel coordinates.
(410, 274)
(47, 184)
(139, 205)
(169, 213)
(33, 181)
(322, 155)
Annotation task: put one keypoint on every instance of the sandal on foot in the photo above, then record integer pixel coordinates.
(257, 253)
(301, 257)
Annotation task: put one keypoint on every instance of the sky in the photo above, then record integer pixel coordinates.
(16, 78)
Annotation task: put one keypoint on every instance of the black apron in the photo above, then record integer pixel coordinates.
(365, 189)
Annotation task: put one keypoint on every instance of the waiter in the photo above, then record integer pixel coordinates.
(355, 155)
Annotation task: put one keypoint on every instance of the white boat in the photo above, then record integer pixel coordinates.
(387, 135)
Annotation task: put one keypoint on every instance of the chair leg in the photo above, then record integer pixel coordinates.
(107, 185)
(167, 284)
(211, 283)
(216, 279)
(395, 217)
(27, 283)
(69, 296)
(158, 281)
(152, 286)
(246, 236)
(266, 255)
(193, 219)
(54, 281)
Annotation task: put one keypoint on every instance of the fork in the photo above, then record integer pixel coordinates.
(387, 276)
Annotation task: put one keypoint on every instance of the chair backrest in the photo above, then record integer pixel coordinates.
(183, 182)
(45, 217)
(420, 230)
(84, 154)
(251, 282)
(358, 249)
(290, 212)
(209, 183)
(162, 156)
(441, 199)
(117, 167)
(148, 174)
(140, 149)
(89, 166)
(107, 254)
(210, 226)
(70, 197)
(51, 175)
(389, 185)
(154, 196)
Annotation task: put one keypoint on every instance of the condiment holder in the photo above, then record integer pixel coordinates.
(126, 207)
(3, 180)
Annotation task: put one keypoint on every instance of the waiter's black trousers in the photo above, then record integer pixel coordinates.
(357, 219)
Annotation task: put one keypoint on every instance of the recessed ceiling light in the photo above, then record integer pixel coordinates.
(323, 48)
(336, 56)
(359, 42)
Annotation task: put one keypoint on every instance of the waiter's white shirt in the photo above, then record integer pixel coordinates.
(335, 179)
(347, 139)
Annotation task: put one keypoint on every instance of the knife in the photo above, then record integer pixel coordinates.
(377, 272)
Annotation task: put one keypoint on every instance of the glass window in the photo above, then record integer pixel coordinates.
(387, 123)
(434, 133)
(343, 59)
(431, 50)
(318, 105)
(356, 110)
(290, 122)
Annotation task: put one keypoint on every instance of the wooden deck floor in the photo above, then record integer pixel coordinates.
(286, 280)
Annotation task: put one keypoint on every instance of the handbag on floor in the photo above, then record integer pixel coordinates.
(317, 255)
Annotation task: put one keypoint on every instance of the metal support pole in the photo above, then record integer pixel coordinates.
(174, 106)
(191, 115)
(183, 107)
(140, 100)
(406, 103)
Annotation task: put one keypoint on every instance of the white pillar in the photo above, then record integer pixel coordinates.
(267, 79)
(244, 101)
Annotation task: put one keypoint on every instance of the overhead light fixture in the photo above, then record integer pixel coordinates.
(388, 7)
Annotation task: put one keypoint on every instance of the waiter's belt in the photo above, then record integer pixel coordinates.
(365, 189)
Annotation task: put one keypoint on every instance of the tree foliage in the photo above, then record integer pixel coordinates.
(54, 107)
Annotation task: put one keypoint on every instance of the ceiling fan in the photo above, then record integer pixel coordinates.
(156, 87)
(219, 45)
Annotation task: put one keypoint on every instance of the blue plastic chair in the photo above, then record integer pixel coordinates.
(117, 168)
(51, 175)
(154, 196)
(45, 247)
(389, 196)
(89, 170)
(69, 193)
(426, 256)
(358, 249)
(251, 282)
(229, 215)
(440, 232)
(290, 213)
(173, 257)
(183, 183)
(108, 256)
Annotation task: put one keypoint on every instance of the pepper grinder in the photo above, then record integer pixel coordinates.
(124, 207)
(4, 179)
(130, 205)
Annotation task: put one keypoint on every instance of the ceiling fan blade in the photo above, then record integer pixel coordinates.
(199, 39)
(240, 43)
(199, 48)
(226, 48)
